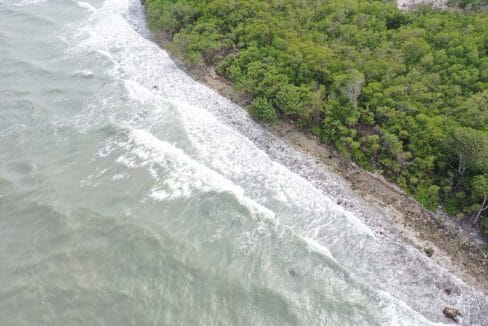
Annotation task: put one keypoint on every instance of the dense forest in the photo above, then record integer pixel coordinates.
(402, 93)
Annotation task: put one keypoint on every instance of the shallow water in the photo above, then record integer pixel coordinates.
(132, 195)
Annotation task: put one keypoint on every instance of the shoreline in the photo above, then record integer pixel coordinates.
(449, 242)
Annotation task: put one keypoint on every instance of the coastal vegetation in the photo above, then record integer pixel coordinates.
(401, 93)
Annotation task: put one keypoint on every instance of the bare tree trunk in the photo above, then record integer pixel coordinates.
(478, 214)
(461, 169)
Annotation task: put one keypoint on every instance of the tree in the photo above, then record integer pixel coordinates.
(262, 109)
(474, 111)
(404, 92)
(294, 102)
(480, 189)
(350, 85)
(470, 146)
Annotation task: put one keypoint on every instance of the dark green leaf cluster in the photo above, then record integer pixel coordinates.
(402, 93)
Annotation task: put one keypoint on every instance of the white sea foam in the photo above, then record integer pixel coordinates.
(118, 177)
(23, 3)
(138, 92)
(238, 159)
(220, 159)
(87, 6)
(148, 142)
(84, 73)
(185, 177)
(228, 157)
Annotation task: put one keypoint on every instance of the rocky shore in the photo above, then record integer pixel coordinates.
(451, 243)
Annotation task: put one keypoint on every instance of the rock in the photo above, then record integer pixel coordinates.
(429, 252)
(448, 291)
(451, 313)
